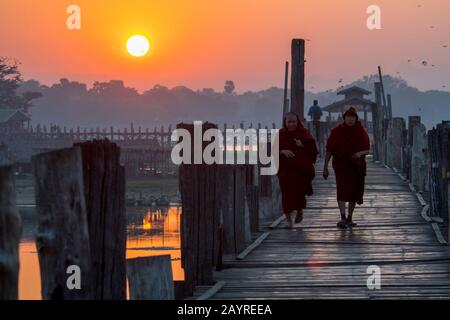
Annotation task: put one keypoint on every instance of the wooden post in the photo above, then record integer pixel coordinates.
(285, 98)
(438, 139)
(10, 231)
(377, 115)
(395, 142)
(252, 196)
(62, 238)
(419, 157)
(382, 91)
(200, 219)
(389, 106)
(234, 208)
(104, 190)
(298, 77)
(444, 130)
(150, 278)
(413, 122)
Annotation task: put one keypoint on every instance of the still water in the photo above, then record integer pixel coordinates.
(150, 232)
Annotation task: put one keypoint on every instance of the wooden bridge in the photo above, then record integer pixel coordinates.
(317, 260)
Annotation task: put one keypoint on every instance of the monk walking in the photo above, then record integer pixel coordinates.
(298, 153)
(348, 144)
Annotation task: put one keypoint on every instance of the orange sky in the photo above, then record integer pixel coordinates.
(203, 43)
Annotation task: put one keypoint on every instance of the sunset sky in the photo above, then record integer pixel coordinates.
(203, 43)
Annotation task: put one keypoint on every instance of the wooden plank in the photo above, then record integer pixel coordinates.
(212, 291)
(438, 233)
(253, 246)
(424, 213)
(421, 199)
(321, 261)
(277, 222)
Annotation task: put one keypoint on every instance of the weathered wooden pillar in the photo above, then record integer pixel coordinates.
(269, 194)
(10, 231)
(389, 106)
(252, 196)
(395, 142)
(151, 278)
(438, 139)
(298, 77)
(377, 115)
(104, 190)
(365, 117)
(62, 238)
(285, 92)
(419, 158)
(234, 208)
(200, 219)
(413, 122)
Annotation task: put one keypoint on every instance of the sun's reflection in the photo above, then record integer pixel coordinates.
(150, 232)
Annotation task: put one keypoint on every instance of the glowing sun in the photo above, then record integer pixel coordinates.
(138, 45)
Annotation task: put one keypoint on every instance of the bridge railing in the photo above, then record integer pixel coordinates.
(422, 159)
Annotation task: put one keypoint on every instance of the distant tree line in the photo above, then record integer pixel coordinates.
(112, 103)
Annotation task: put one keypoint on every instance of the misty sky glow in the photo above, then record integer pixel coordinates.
(203, 43)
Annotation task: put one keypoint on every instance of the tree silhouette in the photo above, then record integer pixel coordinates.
(229, 87)
(10, 80)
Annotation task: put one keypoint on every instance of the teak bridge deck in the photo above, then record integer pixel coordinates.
(319, 261)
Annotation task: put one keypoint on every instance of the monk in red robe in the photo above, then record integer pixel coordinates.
(348, 144)
(298, 153)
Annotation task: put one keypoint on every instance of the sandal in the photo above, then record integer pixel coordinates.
(299, 217)
(351, 224)
(342, 224)
(289, 223)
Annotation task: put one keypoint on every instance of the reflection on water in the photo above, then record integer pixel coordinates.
(150, 232)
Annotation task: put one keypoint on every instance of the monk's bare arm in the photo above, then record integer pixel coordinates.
(325, 165)
(327, 159)
(365, 152)
(361, 153)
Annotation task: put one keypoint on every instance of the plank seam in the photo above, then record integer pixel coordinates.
(212, 291)
(425, 209)
(253, 246)
(277, 222)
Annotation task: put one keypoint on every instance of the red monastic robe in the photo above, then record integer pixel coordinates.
(295, 174)
(344, 141)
